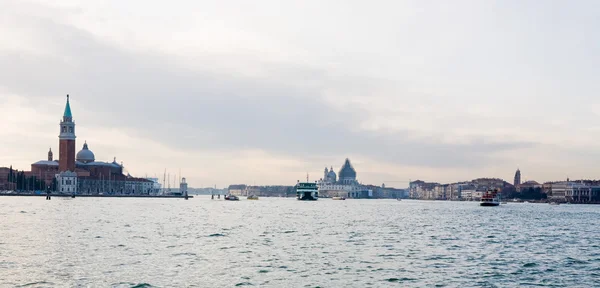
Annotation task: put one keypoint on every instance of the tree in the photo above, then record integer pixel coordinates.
(508, 192)
(533, 194)
(10, 175)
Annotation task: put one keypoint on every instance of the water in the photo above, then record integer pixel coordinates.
(277, 242)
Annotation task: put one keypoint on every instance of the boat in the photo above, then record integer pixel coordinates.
(252, 197)
(338, 198)
(399, 199)
(490, 199)
(231, 197)
(554, 203)
(307, 191)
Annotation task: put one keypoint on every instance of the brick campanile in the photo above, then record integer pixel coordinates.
(66, 144)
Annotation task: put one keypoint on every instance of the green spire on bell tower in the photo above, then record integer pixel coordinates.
(68, 109)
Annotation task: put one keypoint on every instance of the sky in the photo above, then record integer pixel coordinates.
(264, 92)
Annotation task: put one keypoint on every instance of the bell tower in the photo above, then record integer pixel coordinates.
(50, 155)
(66, 161)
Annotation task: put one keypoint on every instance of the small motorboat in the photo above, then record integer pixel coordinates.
(338, 198)
(252, 197)
(231, 198)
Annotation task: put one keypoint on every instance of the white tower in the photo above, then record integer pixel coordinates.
(183, 187)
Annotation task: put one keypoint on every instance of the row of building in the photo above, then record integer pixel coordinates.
(468, 190)
(581, 191)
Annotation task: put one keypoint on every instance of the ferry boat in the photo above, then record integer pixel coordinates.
(490, 199)
(307, 191)
(252, 197)
(231, 197)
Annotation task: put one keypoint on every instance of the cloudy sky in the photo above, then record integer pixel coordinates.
(265, 91)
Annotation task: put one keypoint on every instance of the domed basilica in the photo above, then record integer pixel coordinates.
(344, 184)
(80, 173)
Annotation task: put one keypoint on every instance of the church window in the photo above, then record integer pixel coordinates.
(64, 129)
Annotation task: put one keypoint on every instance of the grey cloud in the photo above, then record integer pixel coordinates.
(152, 96)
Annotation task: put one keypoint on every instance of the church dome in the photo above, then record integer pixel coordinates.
(347, 171)
(331, 174)
(85, 155)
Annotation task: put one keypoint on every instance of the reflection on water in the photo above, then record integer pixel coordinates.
(276, 242)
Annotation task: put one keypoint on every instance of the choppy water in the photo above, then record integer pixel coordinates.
(278, 242)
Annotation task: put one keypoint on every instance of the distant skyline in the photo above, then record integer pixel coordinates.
(265, 91)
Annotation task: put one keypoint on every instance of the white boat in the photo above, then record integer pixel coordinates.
(307, 191)
(490, 199)
(338, 198)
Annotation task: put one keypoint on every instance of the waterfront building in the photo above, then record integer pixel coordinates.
(441, 192)
(527, 185)
(468, 192)
(6, 182)
(386, 192)
(489, 183)
(46, 170)
(453, 191)
(156, 186)
(422, 190)
(66, 182)
(269, 191)
(345, 185)
(237, 189)
(81, 173)
(574, 191)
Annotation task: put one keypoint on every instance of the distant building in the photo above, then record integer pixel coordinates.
(342, 185)
(66, 182)
(269, 191)
(46, 170)
(527, 185)
(574, 191)
(156, 186)
(6, 182)
(238, 190)
(517, 178)
(422, 190)
(81, 173)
